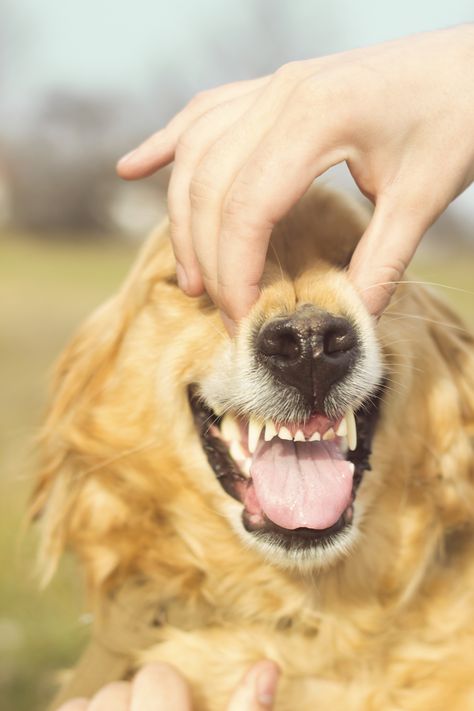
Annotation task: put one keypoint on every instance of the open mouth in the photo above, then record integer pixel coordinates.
(297, 482)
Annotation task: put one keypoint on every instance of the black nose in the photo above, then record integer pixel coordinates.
(310, 350)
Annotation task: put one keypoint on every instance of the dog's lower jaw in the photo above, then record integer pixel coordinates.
(316, 542)
(311, 559)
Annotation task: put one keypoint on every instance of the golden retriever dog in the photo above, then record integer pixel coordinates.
(302, 491)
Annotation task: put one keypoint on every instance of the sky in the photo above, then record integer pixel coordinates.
(142, 50)
(120, 44)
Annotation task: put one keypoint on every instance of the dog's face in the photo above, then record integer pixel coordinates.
(303, 434)
(286, 413)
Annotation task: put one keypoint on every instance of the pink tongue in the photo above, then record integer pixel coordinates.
(301, 485)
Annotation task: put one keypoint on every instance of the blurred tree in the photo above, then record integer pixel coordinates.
(63, 164)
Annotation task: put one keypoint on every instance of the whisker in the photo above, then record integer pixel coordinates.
(278, 261)
(400, 316)
(221, 333)
(118, 457)
(421, 283)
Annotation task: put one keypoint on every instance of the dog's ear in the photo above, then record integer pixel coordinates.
(79, 378)
(455, 344)
(79, 373)
(449, 399)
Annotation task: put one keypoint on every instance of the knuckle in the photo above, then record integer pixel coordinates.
(189, 144)
(202, 97)
(236, 206)
(240, 209)
(177, 211)
(176, 229)
(207, 95)
(387, 275)
(201, 190)
(224, 287)
(327, 91)
(288, 72)
(185, 146)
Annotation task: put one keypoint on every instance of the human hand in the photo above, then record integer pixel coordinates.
(400, 114)
(159, 687)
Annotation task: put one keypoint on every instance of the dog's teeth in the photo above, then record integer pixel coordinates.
(329, 434)
(351, 430)
(315, 437)
(299, 436)
(230, 430)
(236, 451)
(270, 430)
(284, 433)
(351, 466)
(255, 427)
(342, 429)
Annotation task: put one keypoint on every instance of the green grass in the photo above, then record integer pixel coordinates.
(46, 288)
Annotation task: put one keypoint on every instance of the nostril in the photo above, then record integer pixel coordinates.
(310, 351)
(278, 341)
(339, 340)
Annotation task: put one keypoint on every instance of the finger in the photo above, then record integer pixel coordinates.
(279, 172)
(384, 252)
(223, 161)
(209, 187)
(158, 150)
(256, 691)
(159, 687)
(74, 705)
(114, 696)
(194, 143)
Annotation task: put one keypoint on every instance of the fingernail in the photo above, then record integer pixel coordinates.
(266, 684)
(183, 282)
(124, 159)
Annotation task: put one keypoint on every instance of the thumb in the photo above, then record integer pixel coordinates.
(257, 689)
(384, 252)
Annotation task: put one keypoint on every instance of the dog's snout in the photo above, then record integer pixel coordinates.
(311, 350)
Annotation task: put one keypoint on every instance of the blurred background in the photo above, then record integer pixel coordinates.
(80, 84)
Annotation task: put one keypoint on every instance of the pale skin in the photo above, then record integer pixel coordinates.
(159, 687)
(400, 114)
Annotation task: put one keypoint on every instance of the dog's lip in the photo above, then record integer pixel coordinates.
(237, 483)
(299, 537)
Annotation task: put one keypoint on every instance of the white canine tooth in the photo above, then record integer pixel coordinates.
(236, 451)
(351, 430)
(230, 429)
(315, 437)
(284, 433)
(245, 466)
(329, 434)
(299, 436)
(351, 466)
(270, 430)
(342, 429)
(255, 427)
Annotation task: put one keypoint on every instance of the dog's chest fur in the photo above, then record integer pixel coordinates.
(333, 642)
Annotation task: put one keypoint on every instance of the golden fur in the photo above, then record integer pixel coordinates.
(126, 485)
